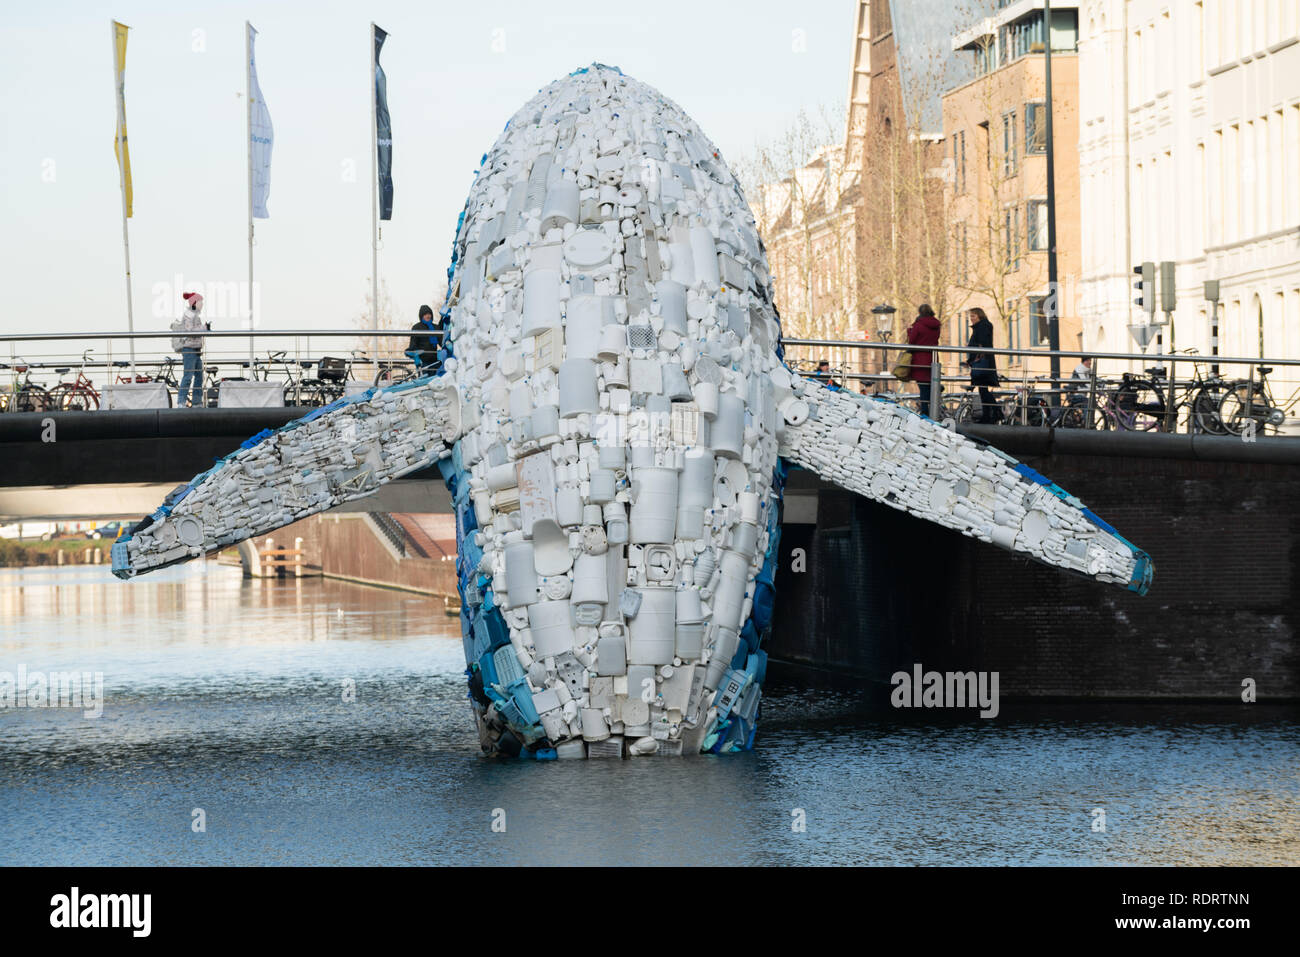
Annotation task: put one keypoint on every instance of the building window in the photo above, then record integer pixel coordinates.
(1036, 225)
(1011, 237)
(1035, 128)
(1013, 328)
(1009, 153)
(959, 160)
(1038, 334)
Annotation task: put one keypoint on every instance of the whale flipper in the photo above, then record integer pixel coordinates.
(335, 454)
(888, 453)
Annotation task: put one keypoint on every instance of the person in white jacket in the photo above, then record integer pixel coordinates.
(191, 349)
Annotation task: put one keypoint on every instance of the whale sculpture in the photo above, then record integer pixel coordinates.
(613, 419)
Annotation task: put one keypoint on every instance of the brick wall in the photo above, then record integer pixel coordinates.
(883, 591)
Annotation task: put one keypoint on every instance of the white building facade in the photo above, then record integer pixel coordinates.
(1189, 151)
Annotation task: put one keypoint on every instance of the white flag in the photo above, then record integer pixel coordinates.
(261, 136)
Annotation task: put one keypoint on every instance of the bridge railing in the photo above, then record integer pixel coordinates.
(1122, 391)
(39, 363)
(1191, 392)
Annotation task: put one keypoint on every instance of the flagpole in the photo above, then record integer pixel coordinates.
(248, 87)
(374, 189)
(118, 95)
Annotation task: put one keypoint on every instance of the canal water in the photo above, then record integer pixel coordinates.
(224, 702)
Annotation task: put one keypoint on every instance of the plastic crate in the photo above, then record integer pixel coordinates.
(332, 369)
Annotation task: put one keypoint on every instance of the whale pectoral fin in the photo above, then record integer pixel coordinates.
(335, 454)
(879, 449)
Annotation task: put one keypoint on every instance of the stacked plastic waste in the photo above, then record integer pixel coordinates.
(337, 453)
(617, 414)
(885, 452)
(619, 491)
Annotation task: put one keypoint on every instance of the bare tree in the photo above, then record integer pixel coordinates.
(802, 194)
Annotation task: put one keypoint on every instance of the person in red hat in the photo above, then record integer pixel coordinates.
(191, 350)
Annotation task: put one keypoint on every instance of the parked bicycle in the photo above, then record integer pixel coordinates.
(1026, 405)
(80, 394)
(24, 394)
(332, 376)
(1248, 405)
(1141, 403)
(393, 371)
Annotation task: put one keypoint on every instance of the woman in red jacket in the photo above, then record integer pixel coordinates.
(924, 331)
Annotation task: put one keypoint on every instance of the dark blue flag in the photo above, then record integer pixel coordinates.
(383, 133)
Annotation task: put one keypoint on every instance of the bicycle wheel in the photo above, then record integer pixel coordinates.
(1234, 414)
(31, 398)
(1204, 411)
(1072, 418)
(392, 376)
(78, 399)
(1037, 414)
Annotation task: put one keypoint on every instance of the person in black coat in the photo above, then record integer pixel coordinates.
(983, 365)
(423, 348)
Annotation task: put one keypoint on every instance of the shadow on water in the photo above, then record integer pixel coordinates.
(231, 696)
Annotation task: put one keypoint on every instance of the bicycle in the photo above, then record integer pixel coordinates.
(24, 394)
(393, 371)
(1026, 406)
(1248, 405)
(79, 395)
(332, 376)
(1139, 403)
(1135, 404)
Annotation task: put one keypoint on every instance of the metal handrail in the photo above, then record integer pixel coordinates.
(1045, 353)
(823, 343)
(217, 334)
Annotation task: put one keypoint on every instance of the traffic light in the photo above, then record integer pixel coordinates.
(1146, 287)
(1168, 294)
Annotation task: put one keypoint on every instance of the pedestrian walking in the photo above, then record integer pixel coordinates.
(983, 366)
(924, 331)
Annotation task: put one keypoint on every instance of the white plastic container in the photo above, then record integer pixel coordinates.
(705, 256)
(695, 493)
(578, 388)
(706, 398)
(521, 574)
(727, 433)
(615, 523)
(672, 305)
(652, 636)
(551, 627)
(612, 455)
(583, 320)
(541, 301)
(501, 476)
(690, 624)
(602, 486)
(561, 206)
(654, 514)
(611, 655)
(546, 421)
(590, 580)
(613, 342)
(729, 598)
(568, 506)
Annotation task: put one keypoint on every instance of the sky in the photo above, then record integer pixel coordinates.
(456, 73)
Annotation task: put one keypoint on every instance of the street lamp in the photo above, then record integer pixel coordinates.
(884, 314)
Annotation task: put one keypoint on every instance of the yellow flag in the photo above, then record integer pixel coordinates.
(119, 140)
